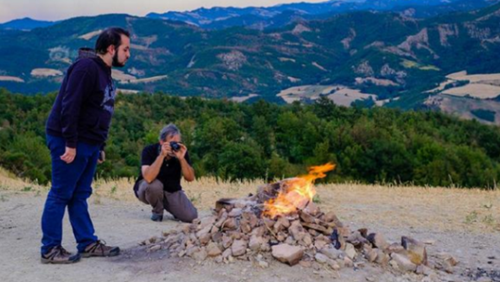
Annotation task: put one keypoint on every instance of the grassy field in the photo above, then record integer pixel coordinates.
(340, 95)
(437, 209)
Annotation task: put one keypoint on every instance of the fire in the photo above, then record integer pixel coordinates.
(298, 193)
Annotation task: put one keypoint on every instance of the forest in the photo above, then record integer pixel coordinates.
(261, 140)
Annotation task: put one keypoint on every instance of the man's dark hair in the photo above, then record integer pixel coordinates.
(111, 36)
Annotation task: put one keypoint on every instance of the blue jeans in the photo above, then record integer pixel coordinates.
(70, 188)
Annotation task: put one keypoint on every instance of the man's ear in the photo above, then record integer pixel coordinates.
(111, 49)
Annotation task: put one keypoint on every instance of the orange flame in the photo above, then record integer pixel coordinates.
(298, 193)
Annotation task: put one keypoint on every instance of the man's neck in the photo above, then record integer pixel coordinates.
(106, 59)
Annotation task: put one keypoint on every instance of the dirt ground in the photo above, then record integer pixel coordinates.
(463, 223)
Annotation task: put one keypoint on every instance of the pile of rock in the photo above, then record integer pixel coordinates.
(239, 229)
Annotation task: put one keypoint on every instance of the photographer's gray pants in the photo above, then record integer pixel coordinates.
(175, 203)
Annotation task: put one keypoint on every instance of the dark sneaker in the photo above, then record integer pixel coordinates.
(157, 217)
(99, 249)
(58, 255)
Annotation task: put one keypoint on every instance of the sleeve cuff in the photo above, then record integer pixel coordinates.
(71, 144)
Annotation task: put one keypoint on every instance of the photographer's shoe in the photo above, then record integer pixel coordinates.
(157, 217)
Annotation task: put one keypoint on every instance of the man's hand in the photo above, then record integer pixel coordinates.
(182, 152)
(69, 155)
(102, 157)
(165, 149)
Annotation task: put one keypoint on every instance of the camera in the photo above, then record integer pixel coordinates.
(175, 146)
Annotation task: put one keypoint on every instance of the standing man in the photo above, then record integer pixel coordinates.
(77, 129)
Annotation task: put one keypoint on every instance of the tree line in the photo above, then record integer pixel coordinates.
(237, 141)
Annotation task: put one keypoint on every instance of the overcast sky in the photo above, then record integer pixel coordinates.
(64, 9)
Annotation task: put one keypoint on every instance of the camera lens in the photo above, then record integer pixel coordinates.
(175, 146)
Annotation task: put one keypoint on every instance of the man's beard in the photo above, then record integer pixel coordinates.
(116, 63)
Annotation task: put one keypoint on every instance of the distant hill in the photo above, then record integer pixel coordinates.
(365, 57)
(25, 24)
(281, 15)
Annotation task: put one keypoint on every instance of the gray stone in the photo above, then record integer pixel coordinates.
(416, 250)
(320, 244)
(255, 243)
(307, 218)
(333, 264)
(350, 251)
(207, 222)
(192, 250)
(230, 224)
(154, 248)
(290, 241)
(287, 253)
(281, 224)
(312, 208)
(447, 257)
(222, 218)
(371, 256)
(204, 234)
(306, 263)
(239, 247)
(263, 264)
(348, 262)
(356, 239)
(227, 253)
(235, 212)
(200, 255)
(307, 240)
(297, 231)
(321, 258)
(378, 240)
(332, 253)
(425, 270)
(403, 262)
(382, 258)
(395, 248)
(213, 250)
(226, 241)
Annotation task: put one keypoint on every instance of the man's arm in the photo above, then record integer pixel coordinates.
(187, 170)
(79, 85)
(150, 172)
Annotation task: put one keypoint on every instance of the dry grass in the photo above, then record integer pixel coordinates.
(345, 96)
(304, 91)
(121, 76)
(242, 99)
(11, 78)
(319, 66)
(144, 80)
(474, 78)
(127, 91)
(42, 72)
(376, 81)
(339, 94)
(437, 209)
(90, 35)
(482, 91)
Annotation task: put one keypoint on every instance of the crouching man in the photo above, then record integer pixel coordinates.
(159, 183)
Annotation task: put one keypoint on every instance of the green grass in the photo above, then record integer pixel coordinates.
(27, 189)
(409, 64)
(429, 67)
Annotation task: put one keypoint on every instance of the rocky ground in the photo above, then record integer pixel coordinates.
(461, 223)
